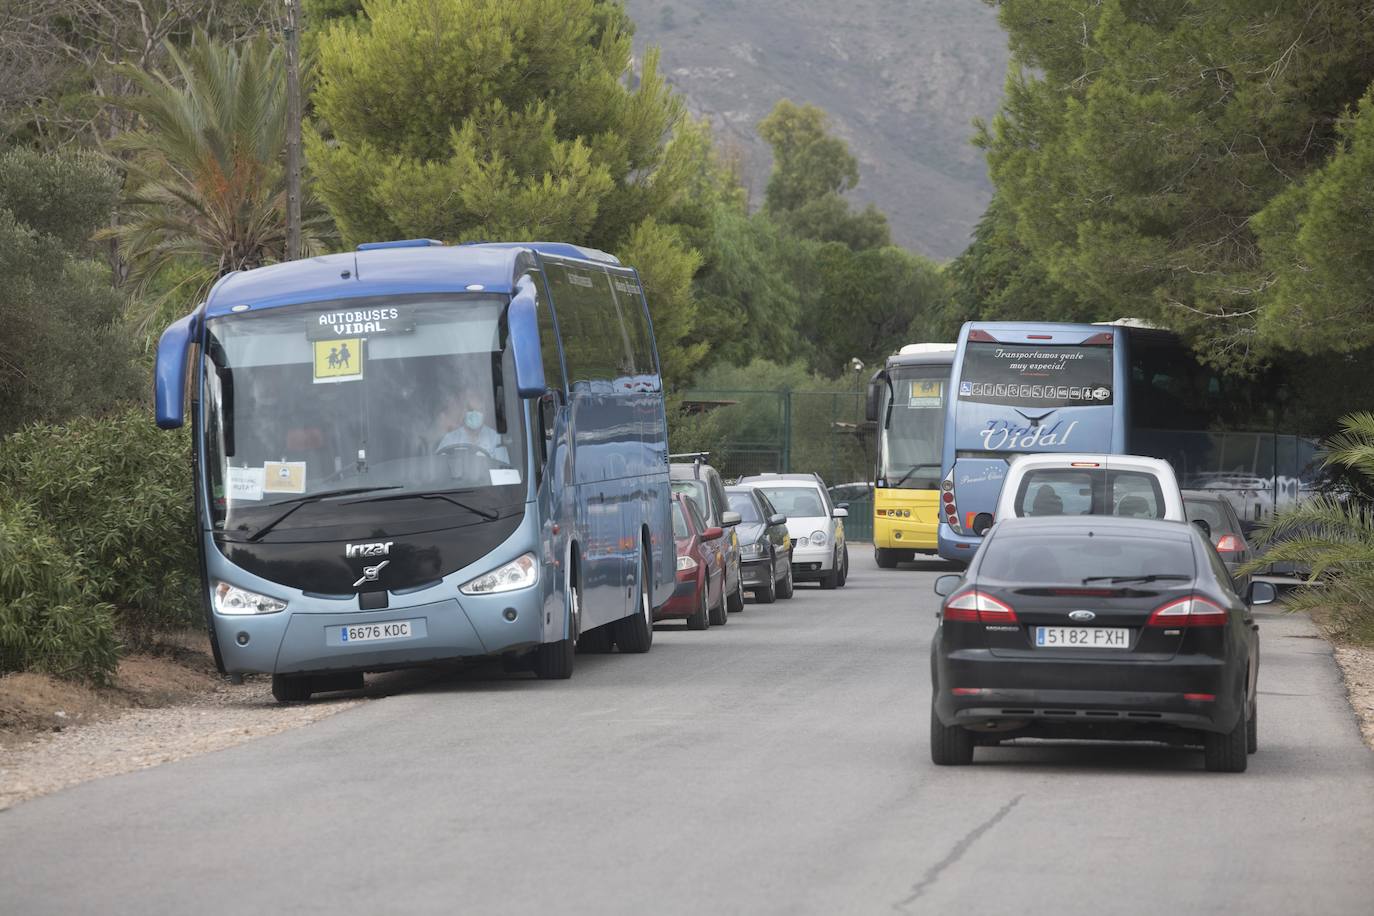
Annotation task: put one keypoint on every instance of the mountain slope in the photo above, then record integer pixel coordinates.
(900, 79)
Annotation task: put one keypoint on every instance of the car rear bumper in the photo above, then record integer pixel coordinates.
(1089, 693)
(684, 601)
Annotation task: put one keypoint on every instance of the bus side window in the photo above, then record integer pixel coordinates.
(593, 340)
(550, 347)
(639, 341)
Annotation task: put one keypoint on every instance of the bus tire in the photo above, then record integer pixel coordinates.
(553, 661)
(291, 688)
(885, 557)
(636, 632)
(596, 641)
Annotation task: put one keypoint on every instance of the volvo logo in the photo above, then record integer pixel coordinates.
(375, 549)
(1082, 616)
(370, 573)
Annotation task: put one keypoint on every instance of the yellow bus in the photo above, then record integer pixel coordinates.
(906, 398)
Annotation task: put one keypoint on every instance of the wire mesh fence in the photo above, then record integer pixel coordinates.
(755, 431)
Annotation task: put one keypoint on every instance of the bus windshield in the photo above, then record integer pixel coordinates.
(913, 433)
(406, 395)
(1027, 375)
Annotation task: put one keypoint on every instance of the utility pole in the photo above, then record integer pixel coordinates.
(293, 131)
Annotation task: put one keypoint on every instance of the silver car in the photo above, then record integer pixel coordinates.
(816, 526)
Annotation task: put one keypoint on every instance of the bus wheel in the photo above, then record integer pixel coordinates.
(885, 557)
(289, 688)
(553, 661)
(636, 632)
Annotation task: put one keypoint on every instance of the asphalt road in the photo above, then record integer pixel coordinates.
(776, 765)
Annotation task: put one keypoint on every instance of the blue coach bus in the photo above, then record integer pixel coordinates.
(417, 452)
(1021, 387)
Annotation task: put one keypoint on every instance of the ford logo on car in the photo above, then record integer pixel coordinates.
(1081, 616)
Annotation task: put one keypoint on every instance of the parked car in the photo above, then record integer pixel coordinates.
(816, 525)
(1104, 628)
(765, 547)
(1219, 522)
(1073, 484)
(702, 483)
(699, 595)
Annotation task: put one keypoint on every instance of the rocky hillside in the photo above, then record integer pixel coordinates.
(901, 80)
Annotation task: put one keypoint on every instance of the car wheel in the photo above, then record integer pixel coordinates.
(736, 600)
(291, 688)
(700, 619)
(832, 579)
(844, 567)
(767, 594)
(636, 632)
(1225, 753)
(720, 615)
(783, 587)
(950, 745)
(885, 557)
(1252, 730)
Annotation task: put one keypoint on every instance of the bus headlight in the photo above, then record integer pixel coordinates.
(686, 564)
(522, 572)
(818, 538)
(231, 600)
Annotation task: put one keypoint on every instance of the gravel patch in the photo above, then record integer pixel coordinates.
(1357, 666)
(217, 718)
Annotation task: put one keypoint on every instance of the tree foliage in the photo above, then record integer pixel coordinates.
(63, 350)
(812, 170)
(206, 186)
(1138, 142)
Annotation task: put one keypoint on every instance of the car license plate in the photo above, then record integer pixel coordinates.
(1083, 637)
(376, 632)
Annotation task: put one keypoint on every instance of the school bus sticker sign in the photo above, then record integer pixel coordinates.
(338, 360)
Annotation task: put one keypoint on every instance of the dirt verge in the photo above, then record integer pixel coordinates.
(1357, 667)
(163, 705)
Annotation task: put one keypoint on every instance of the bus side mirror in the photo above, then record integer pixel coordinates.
(522, 319)
(169, 374)
(874, 395)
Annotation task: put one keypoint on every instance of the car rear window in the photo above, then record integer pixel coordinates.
(1089, 491)
(796, 502)
(1067, 559)
(743, 503)
(1213, 513)
(694, 490)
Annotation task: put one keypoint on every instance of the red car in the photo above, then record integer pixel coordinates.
(700, 592)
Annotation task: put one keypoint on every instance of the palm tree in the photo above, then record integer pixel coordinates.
(1332, 535)
(206, 187)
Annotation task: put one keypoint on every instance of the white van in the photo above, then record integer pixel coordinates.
(1070, 484)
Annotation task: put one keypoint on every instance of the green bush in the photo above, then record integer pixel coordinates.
(49, 619)
(115, 493)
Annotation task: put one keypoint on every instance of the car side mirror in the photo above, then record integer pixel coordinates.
(777, 519)
(946, 584)
(840, 513)
(713, 534)
(1205, 528)
(730, 519)
(1262, 593)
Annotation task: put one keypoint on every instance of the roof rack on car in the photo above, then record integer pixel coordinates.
(697, 459)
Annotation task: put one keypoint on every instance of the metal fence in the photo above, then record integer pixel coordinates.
(753, 431)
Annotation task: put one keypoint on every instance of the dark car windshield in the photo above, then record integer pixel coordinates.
(1041, 558)
(1039, 375)
(743, 503)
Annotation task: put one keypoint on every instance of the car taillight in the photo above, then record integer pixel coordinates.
(1189, 612)
(978, 607)
(1229, 543)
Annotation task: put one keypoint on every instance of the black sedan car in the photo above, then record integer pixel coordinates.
(1217, 517)
(764, 547)
(1110, 628)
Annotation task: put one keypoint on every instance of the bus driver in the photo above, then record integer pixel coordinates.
(463, 417)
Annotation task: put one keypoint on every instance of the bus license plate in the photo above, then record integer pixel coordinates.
(376, 632)
(1082, 637)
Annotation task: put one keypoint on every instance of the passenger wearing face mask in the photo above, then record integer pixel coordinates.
(467, 424)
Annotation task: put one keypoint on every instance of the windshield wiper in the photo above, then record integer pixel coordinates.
(309, 498)
(914, 469)
(490, 515)
(1152, 577)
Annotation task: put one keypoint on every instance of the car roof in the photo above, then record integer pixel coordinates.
(687, 470)
(1064, 459)
(789, 479)
(1096, 524)
(1205, 496)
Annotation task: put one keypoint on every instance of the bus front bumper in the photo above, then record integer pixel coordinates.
(313, 639)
